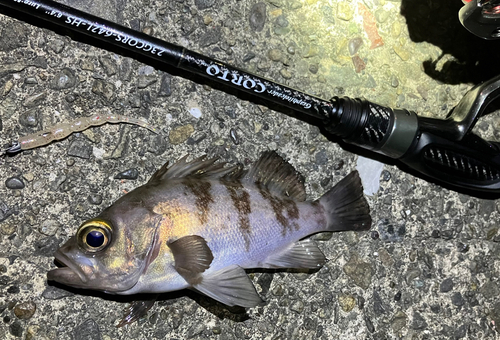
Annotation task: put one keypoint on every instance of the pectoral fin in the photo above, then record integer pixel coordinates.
(192, 257)
(136, 310)
(231, 286)
(302, 254)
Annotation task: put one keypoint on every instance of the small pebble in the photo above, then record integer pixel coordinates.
(30, 81)
(359, 64)
(446, 285)
(56, 45)
(128, 174)
(337, 165)
(144, 80)
(274, 54)
(80, 148)
(180, 134)
(325, 182)
(369, 325)
(14, 183)
(31, 332)
(394, 81)
(25, 310)
(402, 52)
(386, 176)
(16, 329)
(88, 329)
(457, 299)
(94, 199)
(258, 17)
(462, 247)
(281, 21)
(344, 11)
(109, 65)
(249, 56)
(311, 51)
(165, 85)
(234, 136)
(29, 119)
(447, 234)
(195, 112)
(435, 233)
(64, 79)
(381, 15)
(148, 30)
(354, 45)
(397, 296)
(285, 73)
(298, 306)
(399, 321)
(29, 176)
(347, 302)
(13, 290)
(49, 227)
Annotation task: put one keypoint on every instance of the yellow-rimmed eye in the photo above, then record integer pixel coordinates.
(94, 235)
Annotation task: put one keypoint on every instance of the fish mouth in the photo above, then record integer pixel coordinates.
(69, 273)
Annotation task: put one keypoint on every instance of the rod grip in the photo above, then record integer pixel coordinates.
(471, 163)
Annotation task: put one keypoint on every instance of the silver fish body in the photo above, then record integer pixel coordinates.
(199, 224)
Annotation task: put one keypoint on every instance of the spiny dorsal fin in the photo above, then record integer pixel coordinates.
(271, 171)
(197, 168)
(277, 175)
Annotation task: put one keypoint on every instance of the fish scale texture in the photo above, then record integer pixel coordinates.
(430, 264)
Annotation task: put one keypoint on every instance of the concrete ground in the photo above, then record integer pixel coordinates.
(428, 269)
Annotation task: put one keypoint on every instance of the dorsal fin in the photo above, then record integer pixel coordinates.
(277, 175)
(197, 168)
(271, 171)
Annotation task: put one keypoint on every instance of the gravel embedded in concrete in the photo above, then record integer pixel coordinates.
(429, 268)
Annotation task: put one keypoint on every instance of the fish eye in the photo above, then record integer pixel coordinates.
(95, 238)
(94, 235)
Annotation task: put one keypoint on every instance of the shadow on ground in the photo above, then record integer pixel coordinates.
(473, 59)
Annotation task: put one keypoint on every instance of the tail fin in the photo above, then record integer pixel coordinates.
(345, 206)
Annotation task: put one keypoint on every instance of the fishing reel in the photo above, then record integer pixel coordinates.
(481, 18)
(445, 150)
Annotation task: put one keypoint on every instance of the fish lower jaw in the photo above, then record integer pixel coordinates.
(69, 273)
(67, 276)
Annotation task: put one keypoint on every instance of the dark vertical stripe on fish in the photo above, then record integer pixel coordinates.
(292, 211)
(279, 205)
(319, 214)
(241, 201)
(201, 189)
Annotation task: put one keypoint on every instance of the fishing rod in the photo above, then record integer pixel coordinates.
(444, 150)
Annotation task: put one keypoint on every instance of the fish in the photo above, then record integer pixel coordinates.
(200, 224)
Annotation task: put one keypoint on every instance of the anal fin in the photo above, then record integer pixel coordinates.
(302, 254)
(231, 286)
